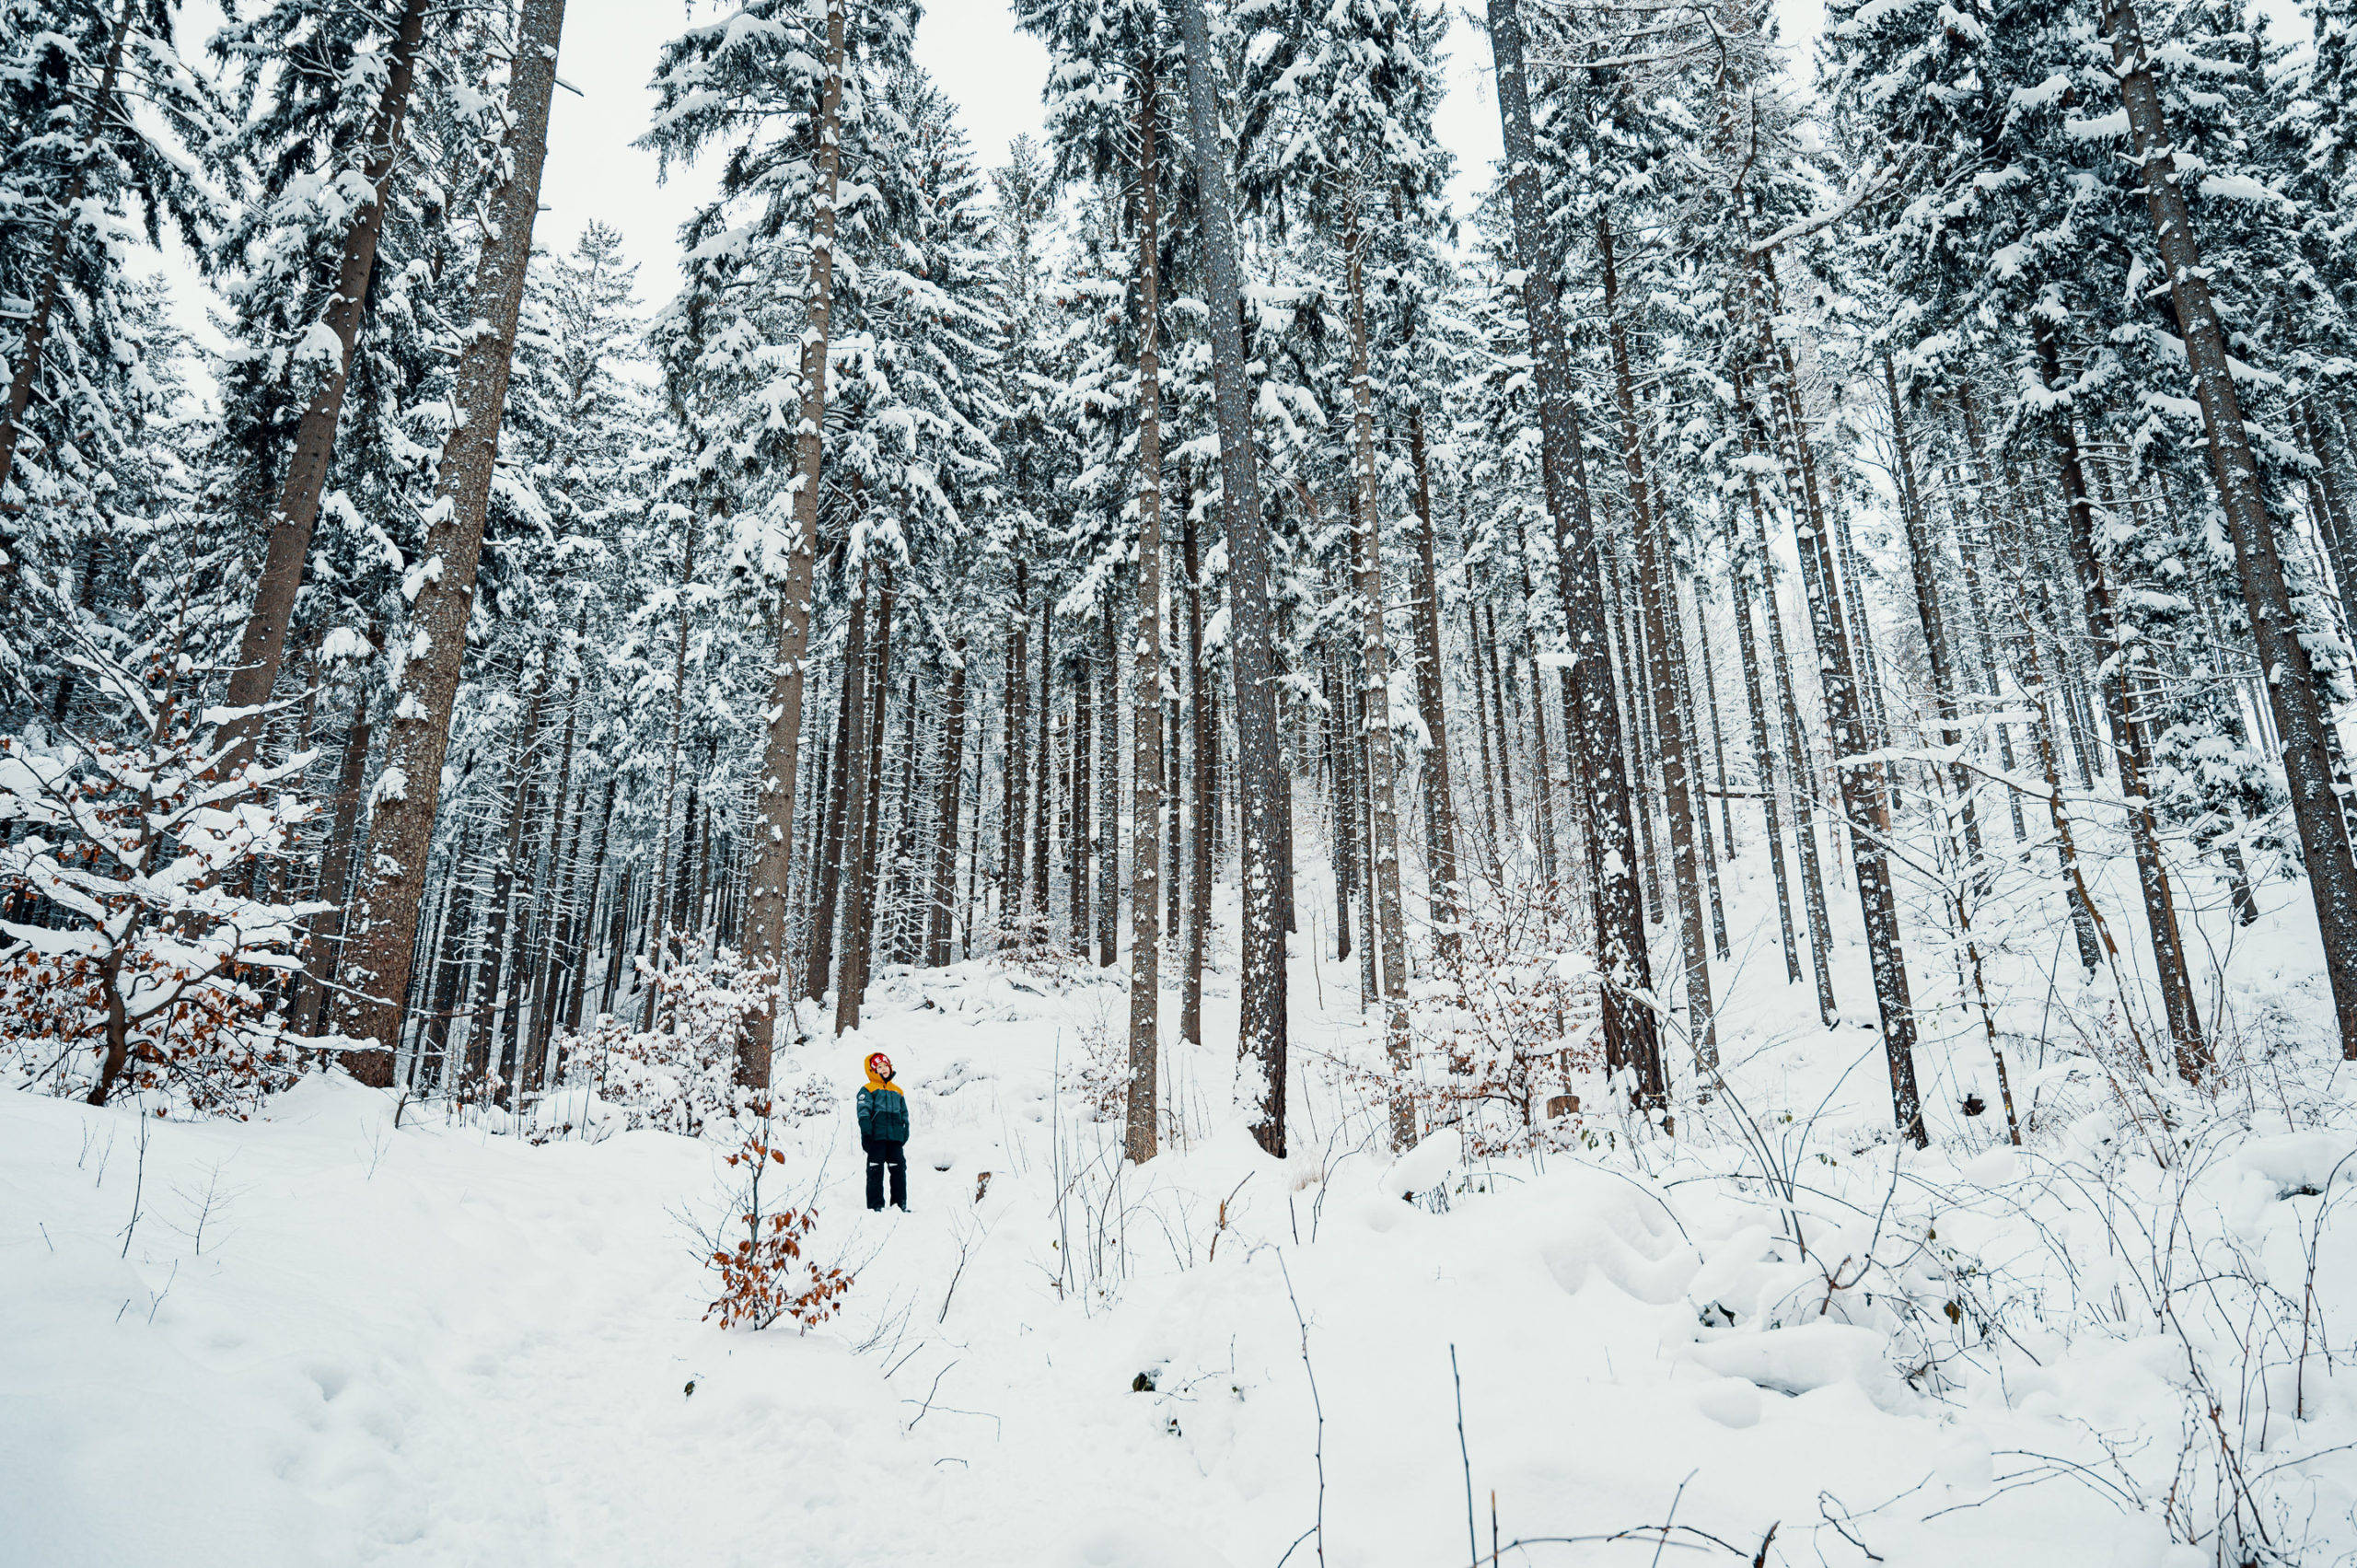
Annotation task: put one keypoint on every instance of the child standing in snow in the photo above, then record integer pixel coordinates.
(884, 1133)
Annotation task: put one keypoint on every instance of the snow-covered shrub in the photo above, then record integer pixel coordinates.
(1507, 1020)
(1026, 944)
(679, 1076)
(1099, 1075)
(135, 954)
(764, 1275)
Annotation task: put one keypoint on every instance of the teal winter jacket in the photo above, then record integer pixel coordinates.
(884, 1116)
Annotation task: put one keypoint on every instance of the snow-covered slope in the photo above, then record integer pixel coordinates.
(430, 1343)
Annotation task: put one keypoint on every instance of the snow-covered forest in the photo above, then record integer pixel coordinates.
(1644, 854)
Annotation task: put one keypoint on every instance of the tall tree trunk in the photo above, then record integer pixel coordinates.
(1542, 771)
(2134, 763)
(457, 921)
(1439, 792)
(1081, 837)
(1043, 796)
(1657, 590)
(1718, 727)
(1481, 725)
(1627, 630)
(1802, 769)
(1862, 799)
(1205, 747)
(859, 925)
(262, 644)
(1261, 789)
(1109, 785)
(1986, 493)
(1763, 744)
(1691, 724)
(772, 872)
(851, 703)
(1392, 933)
(565, 868)
(1141, 1129)
(1015, 901)
(482, 1066)
(2301, 718)
(854, 825)
(1345, 789)
(335, 868)
(1628, 1028)
(659, 922)
(1509, 819)
(585, 928)
(941, 895)
(402, 825)
(1922, 562)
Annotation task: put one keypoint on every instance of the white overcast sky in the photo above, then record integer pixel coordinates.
(971, 49)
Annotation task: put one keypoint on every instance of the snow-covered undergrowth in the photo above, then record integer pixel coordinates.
(325, 1337)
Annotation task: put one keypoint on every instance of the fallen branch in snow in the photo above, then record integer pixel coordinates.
(1318, 1452)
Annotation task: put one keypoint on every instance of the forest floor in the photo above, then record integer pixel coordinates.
(318, 1338)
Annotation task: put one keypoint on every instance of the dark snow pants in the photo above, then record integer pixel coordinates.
(883, 1155)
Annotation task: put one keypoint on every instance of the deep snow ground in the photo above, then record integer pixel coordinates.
(435, 1345)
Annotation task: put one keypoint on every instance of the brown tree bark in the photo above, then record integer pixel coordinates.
(482, 1066)
(585, 928)
(851, 704)
(1763, 744)
(1141, 1123)
(1862, 799)
(772, 871)
(1802, 767)
(1391, 935)
(2130, 755)
(402, 829)
(1718, 725)
(1946, 681)
(1204, 747)
(948, 792)
(262, 644)
(868, 824)
(855, 765)
(659, 922)
(1657, 595)
(1043, 794)
(1081, 837)
(1259, 770)
(1439, 789)
(1109, 785)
